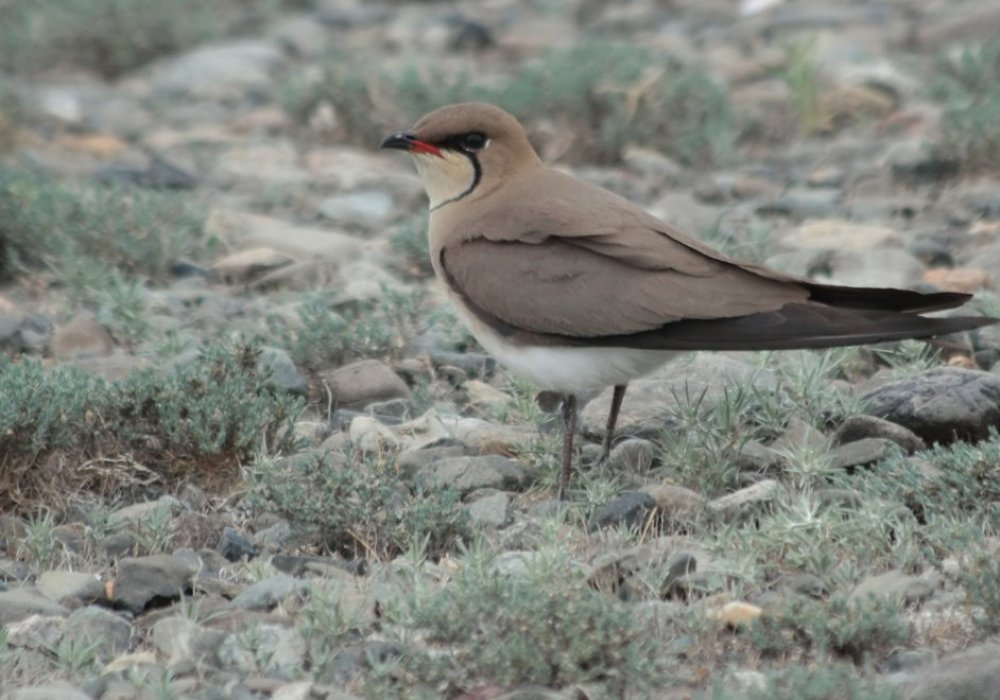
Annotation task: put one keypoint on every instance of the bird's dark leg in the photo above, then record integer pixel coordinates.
(569, 427)
(609, 432)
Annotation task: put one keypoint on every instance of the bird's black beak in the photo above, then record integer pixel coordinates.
(401, 140)
(407, 141)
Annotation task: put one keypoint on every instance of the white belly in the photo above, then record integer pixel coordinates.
(566, 370)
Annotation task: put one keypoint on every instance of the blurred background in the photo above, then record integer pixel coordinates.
(215, 292)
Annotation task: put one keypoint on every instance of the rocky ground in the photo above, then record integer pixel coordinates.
(246, 450)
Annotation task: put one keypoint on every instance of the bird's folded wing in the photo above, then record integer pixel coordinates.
(557, 287)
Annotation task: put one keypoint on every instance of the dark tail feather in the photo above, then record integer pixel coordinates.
(797, 326)
(876, 299)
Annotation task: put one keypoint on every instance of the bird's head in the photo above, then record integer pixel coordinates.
(464, 150)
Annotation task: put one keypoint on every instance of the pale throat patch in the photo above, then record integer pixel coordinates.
(445, 177)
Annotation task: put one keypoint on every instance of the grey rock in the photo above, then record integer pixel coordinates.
(235, 546)
(94, 625)
(650, 403)
(806, 584)
(886, 267)
(13, 570)
(223, 71)
(180, 639)
(908, 659)
(36, 632)
(138, 512)
(863, 426)
(632, 455)
(470, 473)
(49, 691)
(112, 368)
(367, 208)
(141, 579)
(303, 36)
(82, 337)
(862, 453)
(412, 461)
(755, 457)
(941, 405)
(897, 585)
(763, 492)
(804, 203)
(492, 510)
(70, 587)
(631, 509)
(973, 674)
(19, 603)
(267, 593)
(267, 648)
(796, 437)
(362, 383)
(281, 372)
(913, 162)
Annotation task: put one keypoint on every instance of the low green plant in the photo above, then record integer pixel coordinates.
(409, 240)
(83, 233)
(362, 509)
(861, 629)
(75, 655)
(40, 546)
(979, 577)
(611, 93)
(545, 625)
(114, 36)
(827, 682)
(328, 332)
(802, 76)
(968, 87)
(213, 411)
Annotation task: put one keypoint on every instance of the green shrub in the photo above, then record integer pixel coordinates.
(326, 332)
(837, 682)
(610, 93)
(360, 509)
(968, 87)
(979, 576)
(545, 626)
(82, 233)
(114, 36)
(856, 628)
(209, 413)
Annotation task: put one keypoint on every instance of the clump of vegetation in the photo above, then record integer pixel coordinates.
(860, 629)
(409, 240)
(968, 87)
(83, 233)
(325, 332)
(544, 626)
(361, 509)
(979, 576)
(836, 682)
(802, 76)
(612, 93)
(62, 430)
(114, 36)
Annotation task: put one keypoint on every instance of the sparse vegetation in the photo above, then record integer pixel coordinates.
(83, 233)
(114, 36)
(967, 87)
(556, 631)
(361, 509)
(609, 93)
(211, 413)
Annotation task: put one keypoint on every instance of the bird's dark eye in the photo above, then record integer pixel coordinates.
(474, 140)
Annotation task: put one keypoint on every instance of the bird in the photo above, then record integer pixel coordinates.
(577, 289)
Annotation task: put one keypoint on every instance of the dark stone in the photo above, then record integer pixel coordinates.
(973, 674)
(861, 453)
(631, 508)
(941, 405)
(859, 427)
(234, 546)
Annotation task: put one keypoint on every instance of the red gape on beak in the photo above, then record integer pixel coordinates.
(406, 141)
